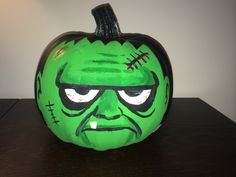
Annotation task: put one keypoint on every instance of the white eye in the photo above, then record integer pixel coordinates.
(135, 97)
(77, 97)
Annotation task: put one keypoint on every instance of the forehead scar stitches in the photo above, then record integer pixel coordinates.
(133, 63)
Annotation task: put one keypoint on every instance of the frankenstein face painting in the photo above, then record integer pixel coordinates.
(102, 95)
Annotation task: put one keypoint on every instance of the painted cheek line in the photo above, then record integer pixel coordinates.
(138, 129)
(145, 116)
(73, 115)
(140, 115)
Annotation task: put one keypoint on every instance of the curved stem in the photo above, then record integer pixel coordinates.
(107, 24)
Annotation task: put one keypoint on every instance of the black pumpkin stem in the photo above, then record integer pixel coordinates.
(107, 24)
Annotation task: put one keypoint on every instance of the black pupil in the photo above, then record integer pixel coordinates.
(133, 92)
(82, 91)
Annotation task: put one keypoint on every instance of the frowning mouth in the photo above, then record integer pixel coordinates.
(85, 125)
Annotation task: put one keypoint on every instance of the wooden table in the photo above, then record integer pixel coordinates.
(6, 105)
(195, 140)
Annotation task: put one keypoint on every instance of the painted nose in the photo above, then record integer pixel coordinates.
(108, 106)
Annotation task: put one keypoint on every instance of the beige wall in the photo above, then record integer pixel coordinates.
(199, 36)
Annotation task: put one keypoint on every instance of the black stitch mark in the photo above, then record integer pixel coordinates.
(50, 108)
(136, 60)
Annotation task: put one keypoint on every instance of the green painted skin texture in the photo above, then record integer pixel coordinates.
(102, 66)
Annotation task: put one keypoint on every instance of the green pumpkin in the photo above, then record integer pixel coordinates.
(103, 90)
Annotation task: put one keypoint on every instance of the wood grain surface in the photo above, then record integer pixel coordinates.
(6, 105)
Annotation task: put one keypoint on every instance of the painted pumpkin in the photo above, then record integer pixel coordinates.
(103, 90)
